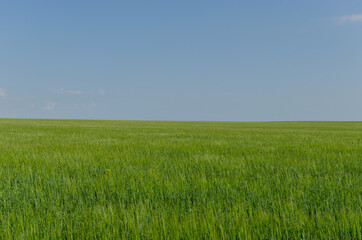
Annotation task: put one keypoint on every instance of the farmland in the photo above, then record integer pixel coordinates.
(78, 179)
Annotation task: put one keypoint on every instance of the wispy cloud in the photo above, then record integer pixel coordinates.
(77, 92)
(49, 105)
(2, 93)
(65, 91)
(101, 92)
(351, 18)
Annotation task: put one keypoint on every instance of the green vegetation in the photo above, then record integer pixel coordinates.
(65, 179)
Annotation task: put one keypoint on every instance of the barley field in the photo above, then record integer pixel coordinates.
(81, 179)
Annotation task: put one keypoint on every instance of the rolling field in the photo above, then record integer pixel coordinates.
(67, 179)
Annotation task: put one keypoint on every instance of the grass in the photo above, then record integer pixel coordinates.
(65, 179)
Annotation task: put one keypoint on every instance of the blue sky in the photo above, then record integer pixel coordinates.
(181, 60)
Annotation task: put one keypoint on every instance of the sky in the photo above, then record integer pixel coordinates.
(181, 60)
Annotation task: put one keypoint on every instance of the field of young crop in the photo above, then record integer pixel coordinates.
(65, 179)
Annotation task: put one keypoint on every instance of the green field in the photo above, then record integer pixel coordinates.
(67, 179)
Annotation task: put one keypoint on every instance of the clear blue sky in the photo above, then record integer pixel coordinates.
(181, 60)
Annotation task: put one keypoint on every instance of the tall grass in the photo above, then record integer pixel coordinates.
(63, 179)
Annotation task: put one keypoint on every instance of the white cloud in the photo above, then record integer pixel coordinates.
(73, 92)
(101, 92)
(77, 92)
(49, 105)
(351, 18)
(2, 93)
